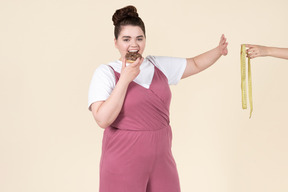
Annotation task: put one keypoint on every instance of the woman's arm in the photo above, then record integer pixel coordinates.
(205, 60)
(105, 112)
(261, 51)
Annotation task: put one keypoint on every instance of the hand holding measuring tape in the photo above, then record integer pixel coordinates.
(243, 80)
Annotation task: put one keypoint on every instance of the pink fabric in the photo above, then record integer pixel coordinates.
(136, 150)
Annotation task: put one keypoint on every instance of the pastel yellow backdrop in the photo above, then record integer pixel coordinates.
(50, 49)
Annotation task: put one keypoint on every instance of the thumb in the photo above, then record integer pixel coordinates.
(123, 63)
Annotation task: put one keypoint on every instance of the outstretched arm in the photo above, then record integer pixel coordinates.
(205, 60)
(261, 51)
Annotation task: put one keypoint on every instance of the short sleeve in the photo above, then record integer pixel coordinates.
(101, 85)
(172, 67)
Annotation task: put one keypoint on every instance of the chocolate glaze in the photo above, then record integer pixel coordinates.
(132, 56)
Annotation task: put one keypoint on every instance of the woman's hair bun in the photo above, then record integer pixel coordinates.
(120, 14)
(126, 16)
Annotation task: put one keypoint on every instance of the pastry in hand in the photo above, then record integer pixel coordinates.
(132, 56)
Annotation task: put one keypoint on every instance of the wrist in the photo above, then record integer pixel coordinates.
(219, 51)
(123, 82)
(269, 51)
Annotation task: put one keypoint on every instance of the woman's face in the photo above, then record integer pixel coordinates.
(131, 38)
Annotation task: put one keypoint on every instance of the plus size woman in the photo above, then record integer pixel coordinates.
(131, 102)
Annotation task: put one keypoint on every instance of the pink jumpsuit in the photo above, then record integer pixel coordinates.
(136, 150)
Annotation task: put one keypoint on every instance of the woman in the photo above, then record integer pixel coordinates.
(261, 51)
(132, 103)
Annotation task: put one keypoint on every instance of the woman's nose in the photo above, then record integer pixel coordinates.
(134, 43)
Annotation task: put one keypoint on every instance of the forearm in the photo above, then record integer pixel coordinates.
(206, 59)
(201, 62)
(277, 52)
(110, 109)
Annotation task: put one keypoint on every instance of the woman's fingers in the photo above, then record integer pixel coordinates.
(223, 45)
(252, 51)
(138, 62)
(225, 51)
(222, 40)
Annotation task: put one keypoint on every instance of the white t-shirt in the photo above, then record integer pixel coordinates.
(103, 80)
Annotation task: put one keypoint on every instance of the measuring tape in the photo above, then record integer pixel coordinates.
(243, 80)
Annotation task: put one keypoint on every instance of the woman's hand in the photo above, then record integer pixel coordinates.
(256, 51)
(223, 46)
(130, 72)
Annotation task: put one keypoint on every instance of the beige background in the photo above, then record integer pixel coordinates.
(50, 49)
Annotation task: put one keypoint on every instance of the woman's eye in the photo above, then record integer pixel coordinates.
(126, 40)
(140, 39)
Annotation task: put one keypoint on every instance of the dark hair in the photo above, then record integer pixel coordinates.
(126, 16)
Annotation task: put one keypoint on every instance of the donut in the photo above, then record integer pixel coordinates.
(132, 56)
